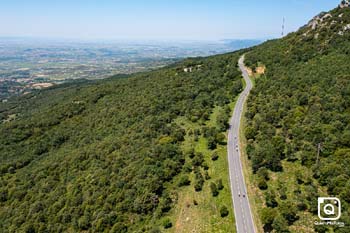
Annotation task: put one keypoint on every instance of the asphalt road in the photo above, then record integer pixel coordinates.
(242, 210)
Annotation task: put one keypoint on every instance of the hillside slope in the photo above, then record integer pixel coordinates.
(99, 156)
(299, 123)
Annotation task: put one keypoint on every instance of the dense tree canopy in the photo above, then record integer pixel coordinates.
(299, 112)
(97, 155)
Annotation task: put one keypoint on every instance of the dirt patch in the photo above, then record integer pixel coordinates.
(260, 70)
(42, 85)
(184, 215)
(250, 71)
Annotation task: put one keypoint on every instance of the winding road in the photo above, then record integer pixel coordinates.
(242, 210)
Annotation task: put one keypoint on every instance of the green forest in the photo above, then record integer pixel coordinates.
(97, 156)
(111, 155)
(298, 120)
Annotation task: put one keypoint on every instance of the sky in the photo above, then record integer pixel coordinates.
(156, 19)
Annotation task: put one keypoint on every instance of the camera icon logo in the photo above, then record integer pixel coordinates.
(329, 208)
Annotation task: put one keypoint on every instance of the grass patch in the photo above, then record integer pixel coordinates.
(200, 211)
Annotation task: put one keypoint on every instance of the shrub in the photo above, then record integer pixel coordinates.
(84, 223)
(198, 159)
(220, 185)
(184, 181)
(198, 185)
(214, 156)
(167, 223)
(263, 172)
(280, 224)
(205, 166)
(220, 138)
(206, 175)
(211, 143)
(214, 189)
(262, 184)
(224, 211)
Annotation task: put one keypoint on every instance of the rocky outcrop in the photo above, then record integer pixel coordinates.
(318, 20)
(344, 3)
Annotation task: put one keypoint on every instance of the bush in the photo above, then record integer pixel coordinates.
(198, 159)
(205, 166)
(289, 212)
(198, 185)
(262, 183)
(211, 143)
(268, 215)
(165, 203)
(190, 153)
(220, 185)
(224, 211)
(206, 175)
(270, 199)
(214, 189)
(155, 230)
(214, 156)
(167, 223)
(184, 181)
(187, 168)
(11, 170)
(280, 224)
(220, 138)
(84, 223)
(263, 172)
(119, 228)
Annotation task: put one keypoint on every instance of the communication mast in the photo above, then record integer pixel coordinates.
(283, 26)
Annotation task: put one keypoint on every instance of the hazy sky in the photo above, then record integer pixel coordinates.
(156, 19)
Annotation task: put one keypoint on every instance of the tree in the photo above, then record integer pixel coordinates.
(214, 189)
(206, 175)
(184, 181)
(198, 159)
(224, 211)
(262, 183)
(199, 180)
(263, 172)
(280, 224)
(270, 199)
(84, 223)
(167, 223)
(222, 120)
(190, 153)
(220, 185)
(289, 212)
(211, 143)
(214, 156)
(220, 138)
(268, 215)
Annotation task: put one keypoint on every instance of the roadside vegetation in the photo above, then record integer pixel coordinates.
(208, 209)
(298, 125)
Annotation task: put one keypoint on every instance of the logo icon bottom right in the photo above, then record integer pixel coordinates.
(329, 208)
